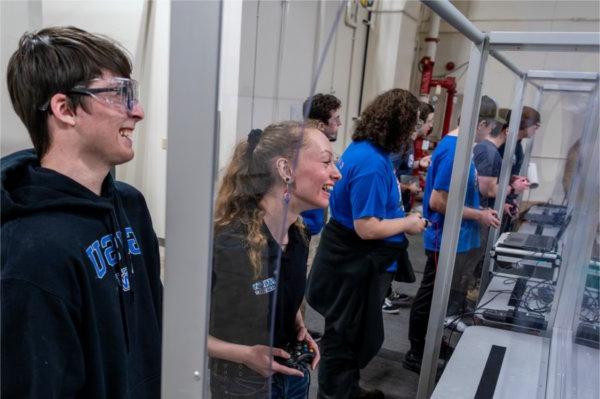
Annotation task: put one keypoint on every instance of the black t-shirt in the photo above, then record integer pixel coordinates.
(518, 156)
(241, 302)
(488, 162)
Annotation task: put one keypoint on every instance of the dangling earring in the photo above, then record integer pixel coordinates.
(286, 192)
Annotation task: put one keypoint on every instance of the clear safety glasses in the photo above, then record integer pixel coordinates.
(120, 93)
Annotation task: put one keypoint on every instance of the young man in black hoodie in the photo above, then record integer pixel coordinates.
(80, 284)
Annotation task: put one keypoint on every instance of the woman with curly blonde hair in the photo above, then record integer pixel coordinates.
(260, 253)
(363, 238)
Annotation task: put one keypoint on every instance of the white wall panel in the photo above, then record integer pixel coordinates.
(306, 32)
(121, 20)
(147, 171)
(391, 47)
(510, 10)
(16, 17)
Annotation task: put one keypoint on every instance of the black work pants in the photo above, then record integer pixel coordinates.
(419, 311)
(339, 373)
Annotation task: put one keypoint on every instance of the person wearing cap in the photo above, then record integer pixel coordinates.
(488, 163)
(488, 160)
(435, 199)
(530, 123)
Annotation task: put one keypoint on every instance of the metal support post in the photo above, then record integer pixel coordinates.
(562, 75)
(453, 217)
(545, 41)
(191, 168)
(528, 144)
(577, 88)
(504, 178)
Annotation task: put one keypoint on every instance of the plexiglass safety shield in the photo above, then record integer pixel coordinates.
(527, 307)
(277, 169)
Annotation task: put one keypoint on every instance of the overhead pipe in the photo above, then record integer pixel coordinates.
(426, 65)
(367, 23)
(351, 21)
(458, 21)
(455, 18)
(428, 61)
(280, 49)
(350, 16)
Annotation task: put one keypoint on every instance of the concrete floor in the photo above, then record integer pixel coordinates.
(385, 372)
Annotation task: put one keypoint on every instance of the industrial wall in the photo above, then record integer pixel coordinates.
(269, 51)
(562, 114)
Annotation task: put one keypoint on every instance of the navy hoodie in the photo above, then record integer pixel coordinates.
(80, 287)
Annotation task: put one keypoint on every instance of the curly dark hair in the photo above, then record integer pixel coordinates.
(321, 106)
(388, 120)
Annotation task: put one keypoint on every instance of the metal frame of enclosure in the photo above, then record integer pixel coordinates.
(491, 44)
(191, 170)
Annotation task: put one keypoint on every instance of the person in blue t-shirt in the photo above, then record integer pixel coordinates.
(488, 163)
(435, 198)
(405, 167)
(365, 204)
(324, 110)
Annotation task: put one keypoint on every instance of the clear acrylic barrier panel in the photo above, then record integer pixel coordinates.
(534, 328)
(275, 165)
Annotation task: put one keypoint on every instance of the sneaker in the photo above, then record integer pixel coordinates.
(413, 362)
(455, 323)
(400, 299)
(389, 307)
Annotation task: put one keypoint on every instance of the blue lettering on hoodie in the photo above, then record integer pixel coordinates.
(132, 243)
(102, 252)
(125, 279)
(94, 254)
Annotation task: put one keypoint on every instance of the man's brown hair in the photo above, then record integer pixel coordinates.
(54, 60)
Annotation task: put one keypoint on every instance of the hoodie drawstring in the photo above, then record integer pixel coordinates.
(123, 255)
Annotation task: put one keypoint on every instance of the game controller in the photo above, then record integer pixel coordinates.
(300, 355)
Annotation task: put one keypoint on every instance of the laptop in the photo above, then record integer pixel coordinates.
(530, 242)
(546, 214)
(536, 242)
(543, 218)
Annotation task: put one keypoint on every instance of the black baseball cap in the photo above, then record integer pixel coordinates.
(489, 110)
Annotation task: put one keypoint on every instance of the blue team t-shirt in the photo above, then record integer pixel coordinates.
(314, 220)
(368, 188)
(438, 178)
